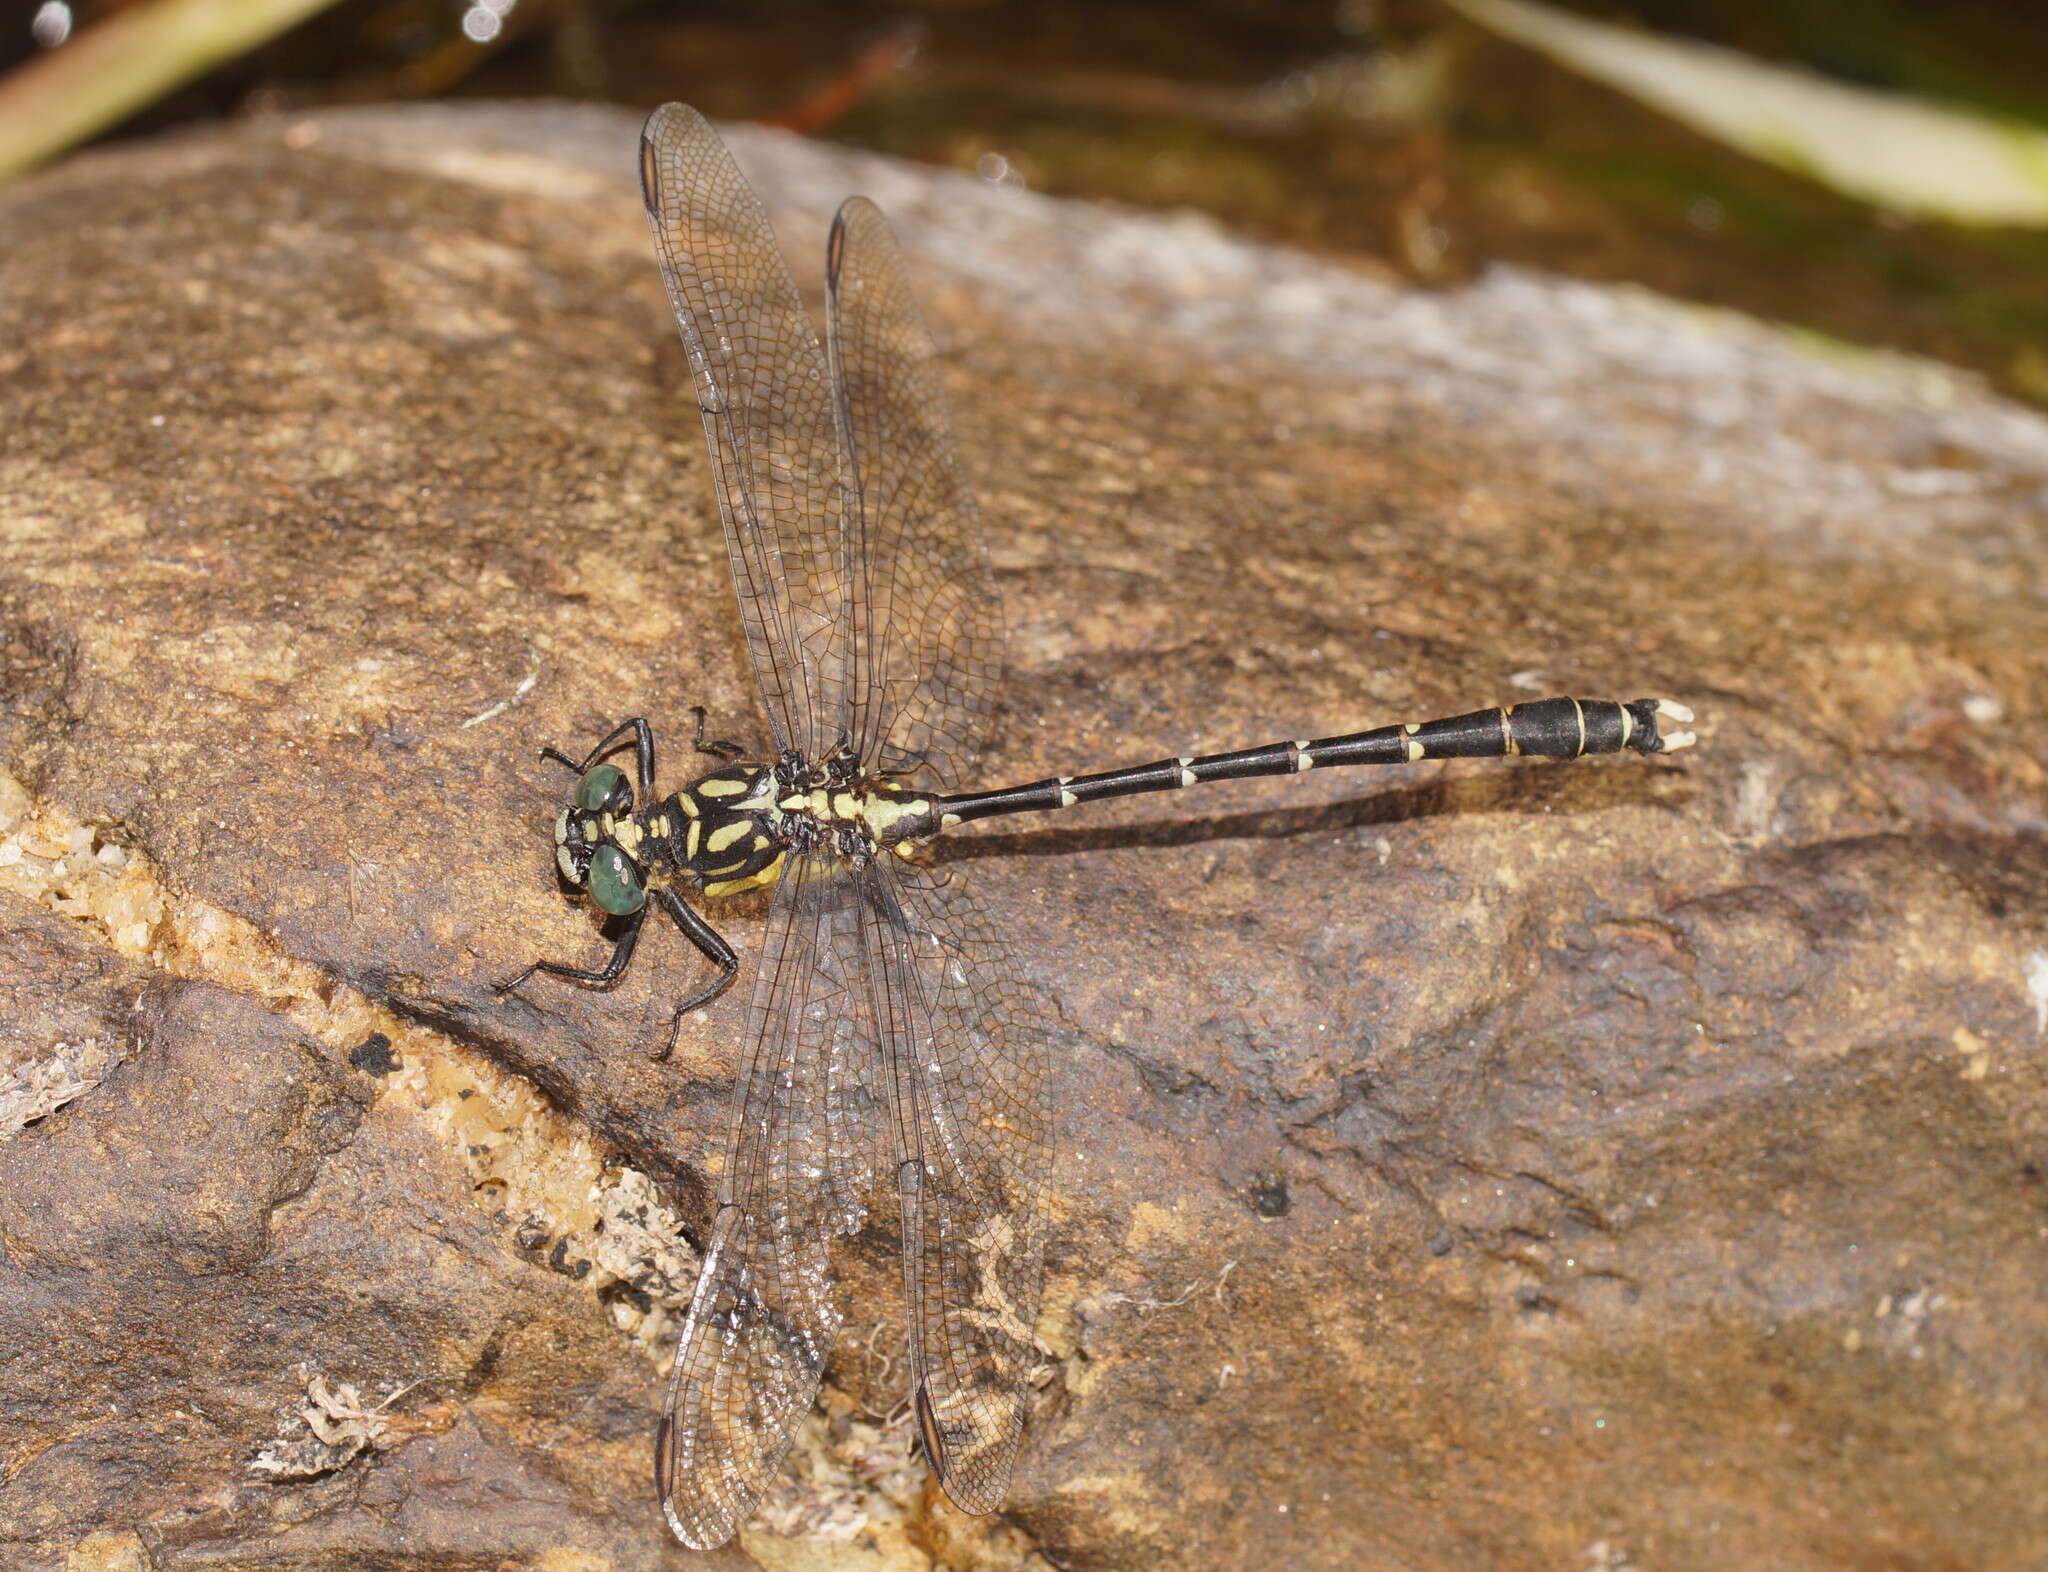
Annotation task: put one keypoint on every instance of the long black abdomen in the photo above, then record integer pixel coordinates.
(1548, 728)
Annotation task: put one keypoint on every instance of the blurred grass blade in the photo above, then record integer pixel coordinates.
(1901, 153)
(124, 64)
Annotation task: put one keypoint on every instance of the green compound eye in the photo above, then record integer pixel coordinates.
(603, 789)
(615, 883)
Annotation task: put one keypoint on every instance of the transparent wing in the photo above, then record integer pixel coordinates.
(761, 1324)
(924, 633)
(762, 385)
(965, 1046)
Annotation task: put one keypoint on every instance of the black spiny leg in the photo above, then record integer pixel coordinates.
(722, 750)
(622, 955)
(643, 752)
(706, 938)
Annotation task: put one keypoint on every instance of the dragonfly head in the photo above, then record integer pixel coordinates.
(593, 835)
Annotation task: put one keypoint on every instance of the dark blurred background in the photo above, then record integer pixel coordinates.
(1395, 134)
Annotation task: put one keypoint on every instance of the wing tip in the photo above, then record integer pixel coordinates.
(665, 128)
(978, 1489)
(702, 1521)
(670, 113)
(697, 1535)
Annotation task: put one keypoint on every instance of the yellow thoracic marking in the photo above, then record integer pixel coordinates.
(1415, 749)
(767, 875)
(845, 806)
(688, 804)
(883, 814)
(726, 834)
(722, 788)
(627, 834)
(793, 803)
(690, 844)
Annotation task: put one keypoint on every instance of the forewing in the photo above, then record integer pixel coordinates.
(763, 389)
(965, 1046)
(924, 630)
(761, 1324)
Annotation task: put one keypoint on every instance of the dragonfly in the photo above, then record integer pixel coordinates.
(891, 1035)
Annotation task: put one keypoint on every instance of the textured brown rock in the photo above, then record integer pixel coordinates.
(1533, 1166)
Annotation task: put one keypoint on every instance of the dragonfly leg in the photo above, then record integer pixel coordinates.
(643, 752)
(708, 939)
(622, 956)
(723, 750)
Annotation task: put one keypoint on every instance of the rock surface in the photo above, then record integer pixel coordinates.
(1636, 1163)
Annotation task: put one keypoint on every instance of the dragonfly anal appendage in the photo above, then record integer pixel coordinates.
(1674, 740)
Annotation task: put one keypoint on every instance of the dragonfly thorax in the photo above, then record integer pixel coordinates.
(835, 807)
(729, 830)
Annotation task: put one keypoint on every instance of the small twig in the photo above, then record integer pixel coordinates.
(1224, 1276)
(892, 51)
(525, 687)
(71, 93)
(1149, 1305)
(887, 1364)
